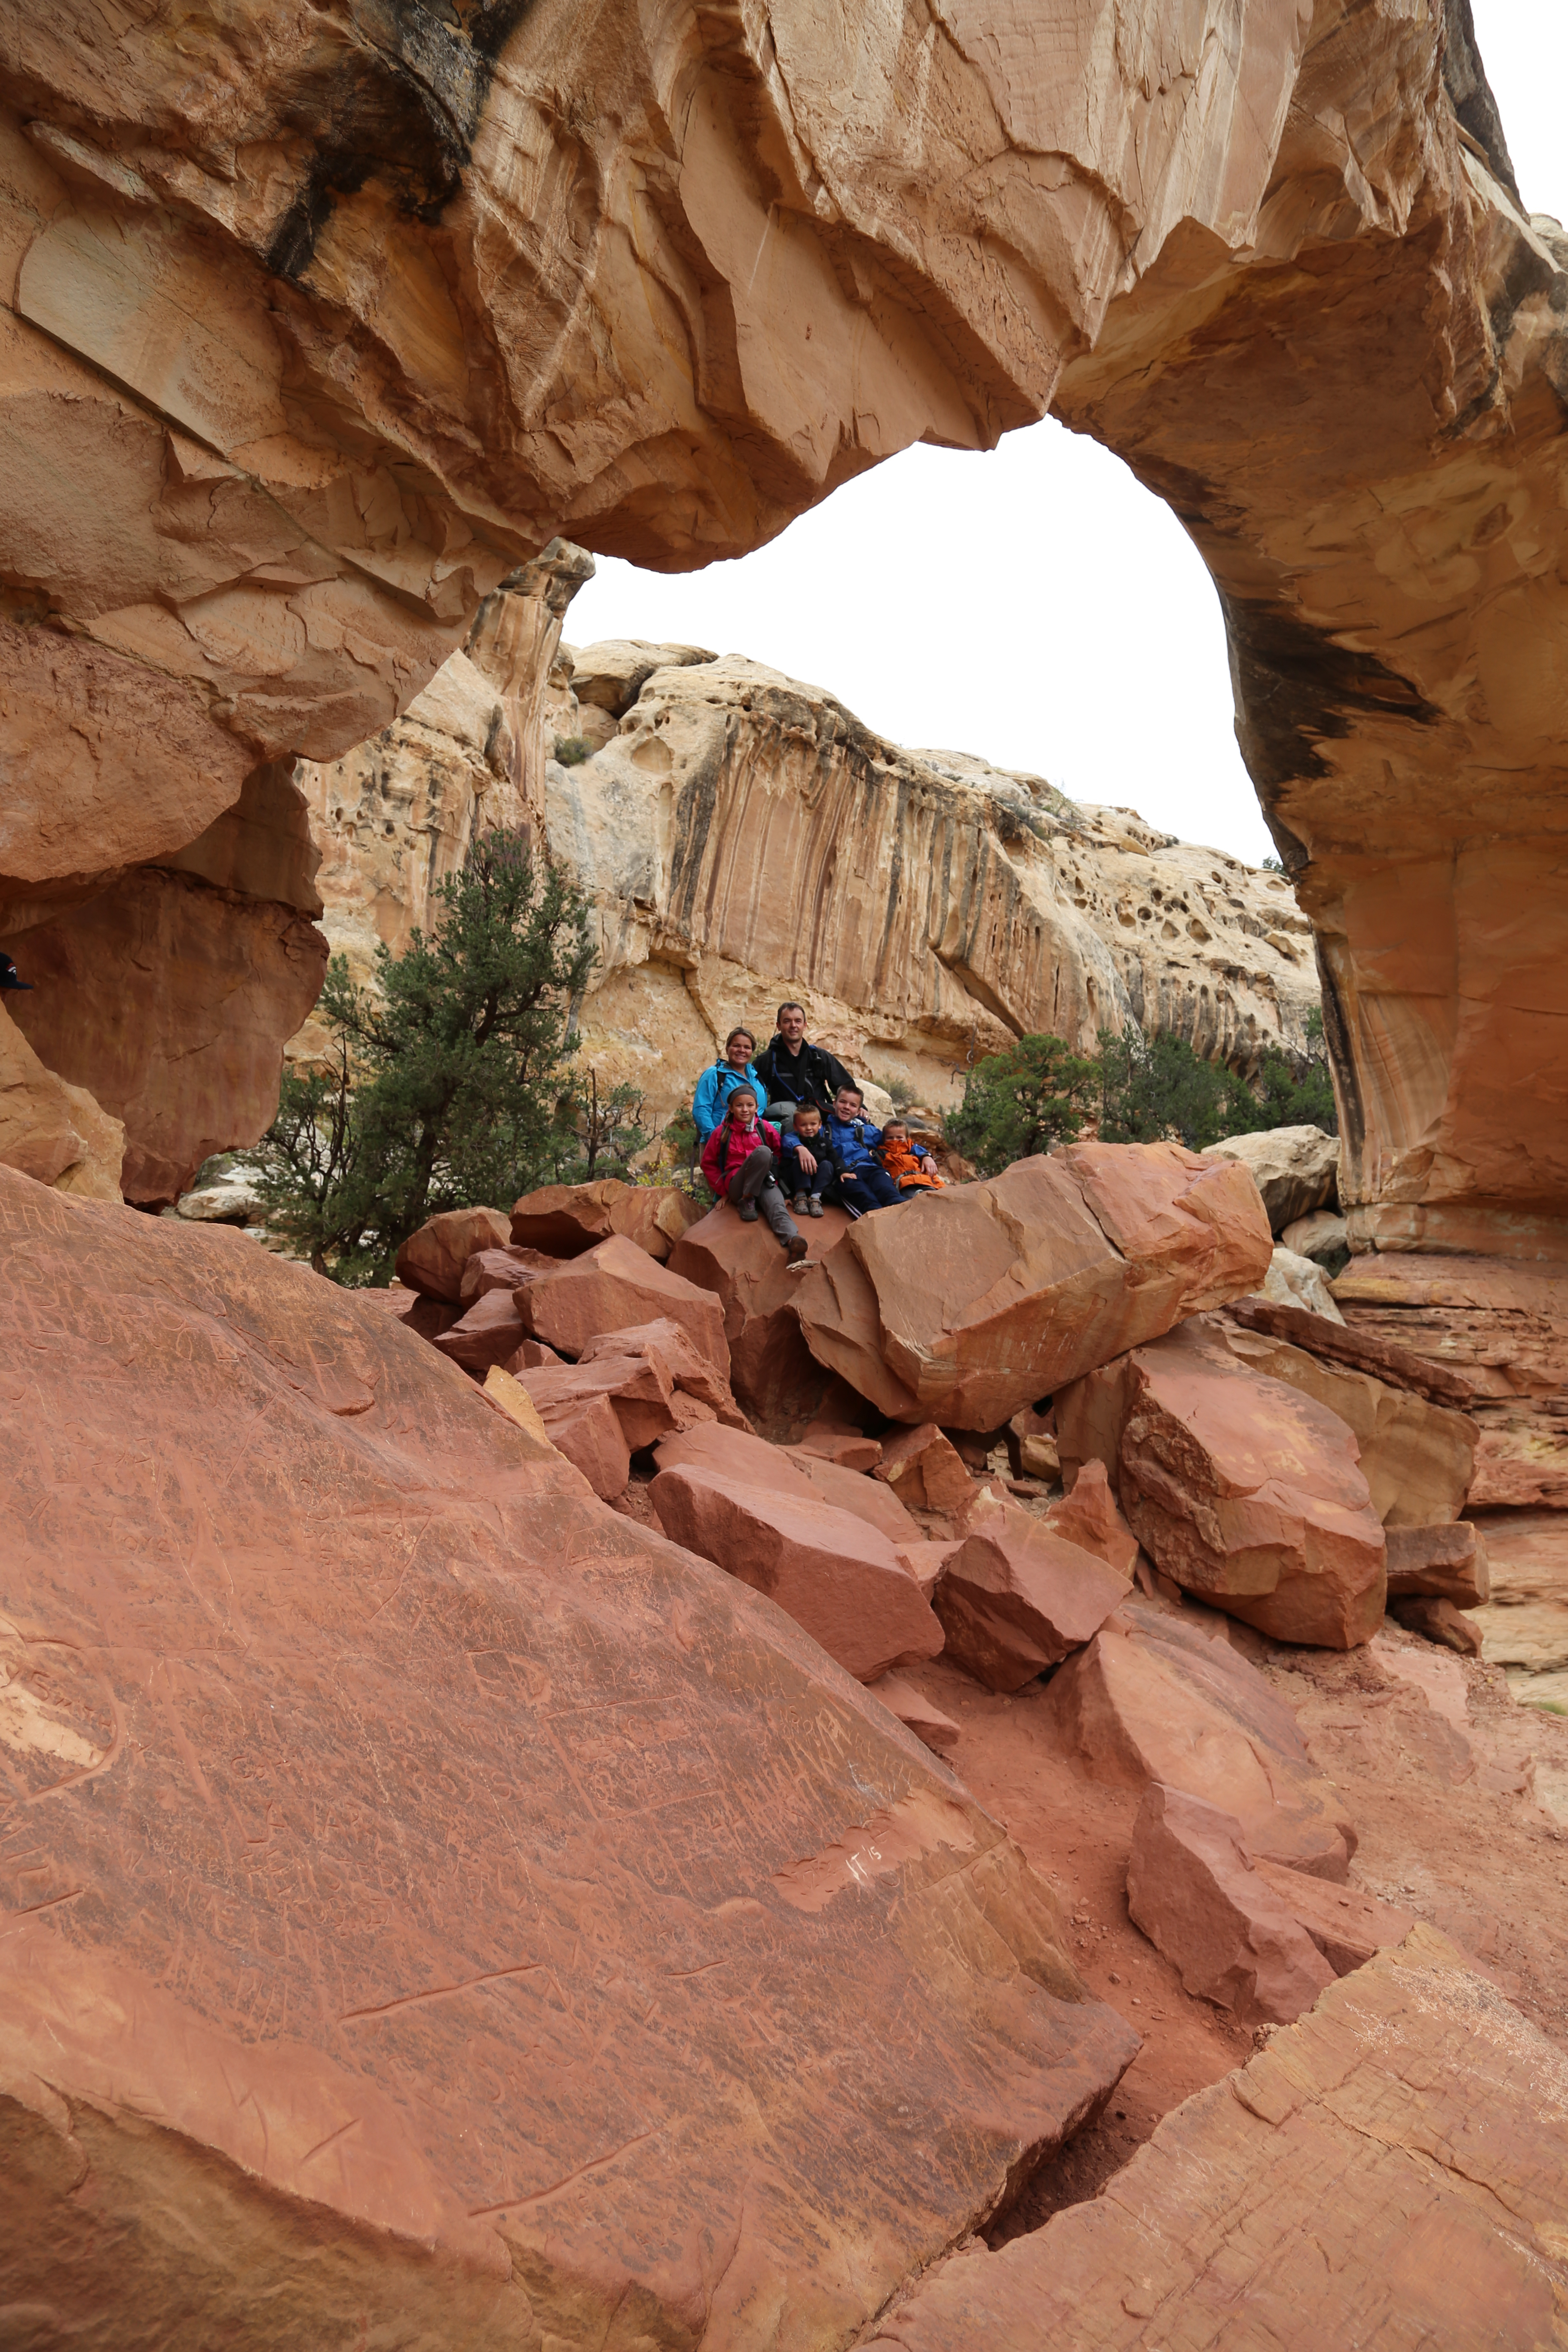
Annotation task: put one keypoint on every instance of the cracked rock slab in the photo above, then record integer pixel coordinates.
(444, 1911)
(1393, 2169)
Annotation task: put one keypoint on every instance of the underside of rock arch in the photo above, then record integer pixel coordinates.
(321, 321)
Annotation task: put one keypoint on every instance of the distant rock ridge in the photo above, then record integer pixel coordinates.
(743, 837)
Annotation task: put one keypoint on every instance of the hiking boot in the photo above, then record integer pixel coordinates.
(748, 1213)
(795, 1250)
(798, 1204)
(812, 1205)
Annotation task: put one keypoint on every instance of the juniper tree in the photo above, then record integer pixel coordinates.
(450, 1067)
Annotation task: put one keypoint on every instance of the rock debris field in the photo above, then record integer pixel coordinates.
(806, 1808)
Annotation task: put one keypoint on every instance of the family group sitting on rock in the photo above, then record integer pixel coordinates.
(814, 1144)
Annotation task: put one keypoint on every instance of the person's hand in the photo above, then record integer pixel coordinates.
(807, 1160)
(849, 1177)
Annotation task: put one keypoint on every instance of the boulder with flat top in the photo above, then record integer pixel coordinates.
(997, 1294)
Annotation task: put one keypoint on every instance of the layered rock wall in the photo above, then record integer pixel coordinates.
(744, 838)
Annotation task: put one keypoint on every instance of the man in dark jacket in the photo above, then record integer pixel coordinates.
(794, 1072)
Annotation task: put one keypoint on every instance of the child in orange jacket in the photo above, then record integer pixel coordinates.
(908, 1164)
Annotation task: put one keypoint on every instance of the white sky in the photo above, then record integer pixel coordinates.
(1036, 605)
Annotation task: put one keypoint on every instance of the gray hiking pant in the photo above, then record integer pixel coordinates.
(755, 1181)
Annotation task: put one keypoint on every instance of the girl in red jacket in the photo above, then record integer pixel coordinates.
(741, 1161)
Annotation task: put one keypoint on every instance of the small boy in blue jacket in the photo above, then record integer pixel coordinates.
(852, 1141)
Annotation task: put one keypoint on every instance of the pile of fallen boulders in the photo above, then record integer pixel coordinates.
(1051, 1425)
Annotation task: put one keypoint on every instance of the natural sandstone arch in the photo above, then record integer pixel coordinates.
(320, 323)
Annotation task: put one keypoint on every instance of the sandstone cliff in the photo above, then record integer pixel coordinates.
(317, 325)
(744, 838)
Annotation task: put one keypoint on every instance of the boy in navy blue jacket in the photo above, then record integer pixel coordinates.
(863, 1183)
(809, 1170)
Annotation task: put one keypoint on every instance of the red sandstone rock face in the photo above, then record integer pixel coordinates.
(1152, 1699)
(564, 1220)
(1244, 1490)
(1445, 1563)
(615, 1286)
(1503, 1331)
(433, 1260)
(1015, 1598)
(1412, 2131)
(1418, 1457)
(999, 1293)
(838, 1577)
(168, 1001)
(443, 1880)
(1192, 1888)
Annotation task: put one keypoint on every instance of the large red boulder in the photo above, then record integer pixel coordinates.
(614, 1286)
(432, 1260)
(589, 1428)
(771, 1369)
(1194, 1890)
(1015, 1598)
(564, 1220)
(996, 1294)
(443, 1899)
(1245, 1491)
(1154, 1698)
(840, 1579)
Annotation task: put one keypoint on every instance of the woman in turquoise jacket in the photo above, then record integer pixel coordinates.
(715, 1086)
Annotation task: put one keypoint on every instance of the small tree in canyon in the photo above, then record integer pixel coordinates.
(1033, 1096)
(451, 1069)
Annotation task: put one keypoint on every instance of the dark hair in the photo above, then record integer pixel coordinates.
(739, 1033)
(735, 1094)
(806, 1110)
(850, 1087)
(790, 1006)
(888, 1124)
